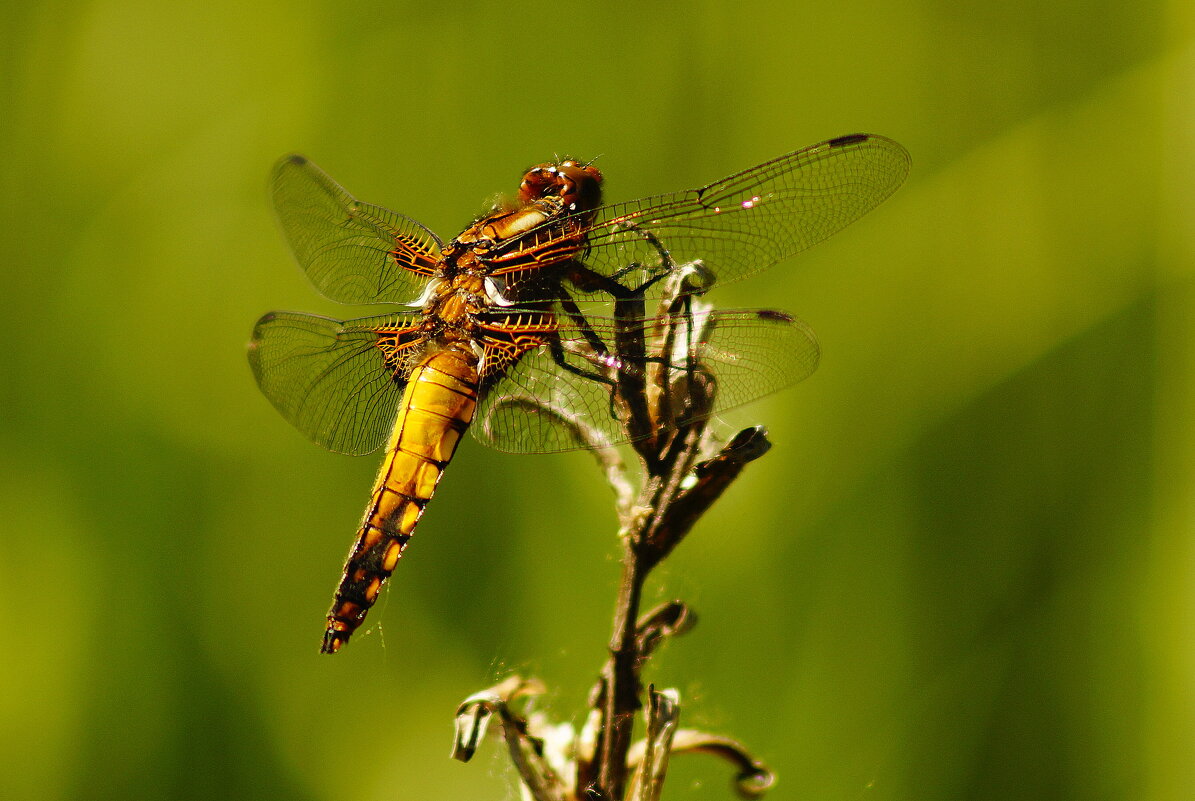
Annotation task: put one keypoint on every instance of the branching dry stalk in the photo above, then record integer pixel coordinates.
(665, 405)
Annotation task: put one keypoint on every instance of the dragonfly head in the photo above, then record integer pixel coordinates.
(578, 185)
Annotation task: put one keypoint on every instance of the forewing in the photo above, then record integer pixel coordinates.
(338, 382)
(538, 406)
(752, 219)
(353, 252)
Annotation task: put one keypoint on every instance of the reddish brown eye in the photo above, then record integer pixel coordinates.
(578, 186)
(581, 188)
(538, 182)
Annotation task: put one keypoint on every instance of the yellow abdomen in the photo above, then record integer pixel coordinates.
(436, 408)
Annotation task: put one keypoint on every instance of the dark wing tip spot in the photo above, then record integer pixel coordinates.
(775, 315)
(849, 139)
(295, 158)
(266, 319)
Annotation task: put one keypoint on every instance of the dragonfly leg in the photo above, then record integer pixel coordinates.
(556, 347)
(574, 313)
(667, 265)
(589, 280)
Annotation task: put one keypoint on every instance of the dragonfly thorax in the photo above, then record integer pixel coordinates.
(501, 228)
(457, 298)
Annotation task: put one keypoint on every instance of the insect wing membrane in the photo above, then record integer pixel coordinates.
(353, 252)
(338, 382)
(539, 406)
(748, 221)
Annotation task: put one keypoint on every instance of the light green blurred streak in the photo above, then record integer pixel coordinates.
(1169, 619)
(43, 688)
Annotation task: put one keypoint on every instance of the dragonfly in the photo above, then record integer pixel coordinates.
(502, 324)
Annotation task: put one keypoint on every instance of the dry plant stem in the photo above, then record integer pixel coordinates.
(621, 679)
(647, 783)
(662, 515)
(668, 512)
(663, 394)
(665, 398)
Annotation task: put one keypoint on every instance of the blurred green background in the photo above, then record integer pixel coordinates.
(964, 572)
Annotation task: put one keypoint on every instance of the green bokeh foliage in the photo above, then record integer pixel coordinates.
(964, 571)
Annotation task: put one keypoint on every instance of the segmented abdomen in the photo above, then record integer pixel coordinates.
(436, 409)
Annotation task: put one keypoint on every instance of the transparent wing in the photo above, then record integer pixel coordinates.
(539, 406)
(338, 382)
(752, 219)
(353, 252)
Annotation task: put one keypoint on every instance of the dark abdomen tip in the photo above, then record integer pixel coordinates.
(333, 639)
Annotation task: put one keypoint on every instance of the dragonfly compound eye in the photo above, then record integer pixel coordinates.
(578, 186)
(538, 182)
